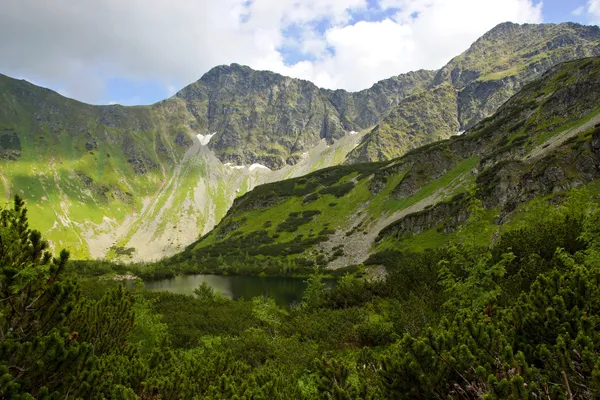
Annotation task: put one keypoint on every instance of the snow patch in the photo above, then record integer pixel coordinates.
(234, 166)
(353, 132)
(255, 166)
(460, 133)
(205, 139)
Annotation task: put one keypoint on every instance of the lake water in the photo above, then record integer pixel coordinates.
(283, 290)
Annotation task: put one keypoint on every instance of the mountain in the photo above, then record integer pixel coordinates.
(543, 141)
(263, 117)
(364, 109)
(493, 69)
(139, 183)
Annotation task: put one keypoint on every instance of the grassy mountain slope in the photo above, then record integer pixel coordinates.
(544, 140)
(117, 181)
(135, 183)
(419, 119)
(493, 69)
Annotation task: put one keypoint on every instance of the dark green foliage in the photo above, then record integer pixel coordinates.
(310, 198)
(338, 190)
(189, 319)
(257, 252)
(104, 323)
(518, 320)
(314, 295)
(541, 346)
(295, 220)
(39, 354)
(350, 292)
(274, 193)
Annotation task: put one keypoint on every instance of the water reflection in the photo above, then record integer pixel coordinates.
(283, 290)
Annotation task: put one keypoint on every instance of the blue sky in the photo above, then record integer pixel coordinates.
(557, 11)
(109, 51)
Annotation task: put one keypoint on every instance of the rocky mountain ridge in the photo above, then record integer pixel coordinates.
(127, 182)
(493, 69)
(142, 182)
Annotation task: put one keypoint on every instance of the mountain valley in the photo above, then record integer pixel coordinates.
(136, 183)
(254, 236)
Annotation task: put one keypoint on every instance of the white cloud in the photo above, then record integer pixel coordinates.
(78, 45)
(578, 11)
(593, 10)
(369, 51)
(590, 11)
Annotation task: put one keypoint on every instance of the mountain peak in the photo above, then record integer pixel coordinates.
(220, 70)
(504, 30)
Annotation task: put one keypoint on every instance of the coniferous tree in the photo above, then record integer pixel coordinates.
(39, 355)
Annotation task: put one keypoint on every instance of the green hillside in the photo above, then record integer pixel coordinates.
(459, 267)
(134, 182)
(543, 141)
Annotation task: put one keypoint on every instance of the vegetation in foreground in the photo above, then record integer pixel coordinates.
(517, 320)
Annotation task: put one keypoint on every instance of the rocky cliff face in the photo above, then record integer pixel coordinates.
(492, 70)
(543, 141)
(502, 61)
(364, 109)
(423, 118)
(260, 117)
(266, 118)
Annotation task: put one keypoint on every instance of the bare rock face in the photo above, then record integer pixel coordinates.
(595, 143)
(490, 72)
(266, 118)
(259, 116)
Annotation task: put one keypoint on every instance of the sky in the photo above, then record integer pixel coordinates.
(142, 51)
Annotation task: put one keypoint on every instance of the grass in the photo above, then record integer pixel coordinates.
(389, 203)
(498, 75)
(434, 238)
(334, 213)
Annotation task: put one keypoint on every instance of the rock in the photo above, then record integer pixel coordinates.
(492, 70)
